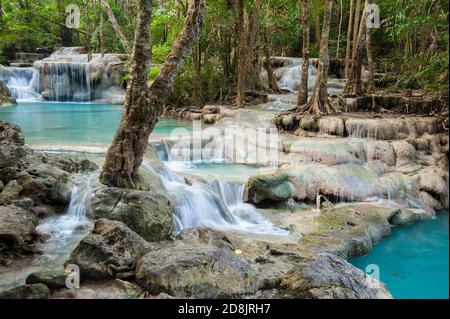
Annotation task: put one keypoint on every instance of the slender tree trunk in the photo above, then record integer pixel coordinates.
(252, 74)
(340, 28)
(317, 28)
(241, 54)
(355, 27)
(319, 103)
(144, 103)
(354, 83)
(349, 41)
(197, 57)
(112, 19)
(303, 89)
(272, 82)
(371, 76)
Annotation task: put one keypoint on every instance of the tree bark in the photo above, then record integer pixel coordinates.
(303, 89)
(371, 75)
(272, 82)
(241, 54)
(197, 58)
(319, 103)
(112, 19)
(354, 83)
(143, 102)
(349, 41)
(355, 27)
(252, 72)
(340, 28)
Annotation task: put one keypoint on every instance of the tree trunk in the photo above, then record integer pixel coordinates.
(303, 89)
(371, 76)
(355, 27)
(319, 103)
(112, 19)
(317, 28)
(197, 58)
(354, 83)
(272, 81)
(340, 28)
(241, 54)
(143, 103)
(252, 72)
(349, 41)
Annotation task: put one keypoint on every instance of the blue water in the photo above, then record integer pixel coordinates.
(73, 123)
(414, 261)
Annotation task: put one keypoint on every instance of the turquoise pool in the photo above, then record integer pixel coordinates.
(73, 123)
(414, 261)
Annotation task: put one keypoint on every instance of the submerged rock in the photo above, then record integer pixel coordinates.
(195, 271)
(147, 213)
(327, 276)
(112, 248)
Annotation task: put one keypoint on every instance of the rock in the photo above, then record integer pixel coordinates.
(48, 94)
(327, 276)
(275, 187)
(195, 271)
(52, 279)
(5, 95)
(147, 213)
(207, 236)
(430, 201)
(130, 289)
(405, 153)
(17, 228)
(35, 291)
(110, 249)
(409, 216)
(2, 186)
(10, 193)
(332, 126)
(25, 203)
(11, 133)
(211, 109)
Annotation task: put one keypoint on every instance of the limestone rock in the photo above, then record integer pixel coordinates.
(327, 276)
(275, 187)
(35, 291)
(110, 249)
(195, 271)
(52, 279)
(147, 213)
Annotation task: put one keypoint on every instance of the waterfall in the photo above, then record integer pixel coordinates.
(60, 228)
(68, 75)
(216, 204)
(21, 82)
(291, 77)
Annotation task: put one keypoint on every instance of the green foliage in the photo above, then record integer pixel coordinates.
(153, 73)
(160, 53)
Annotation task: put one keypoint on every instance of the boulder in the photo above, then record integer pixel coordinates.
(5, 95)
(52, 279)
(147, 213)
(112, 248)
(327, 276)
(274, 187)
(35, 291)
(10, 193)
(409, 216)
(17, 228)
(195, 271)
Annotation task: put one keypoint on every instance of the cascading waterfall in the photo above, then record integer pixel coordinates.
(61, 228)
(217, 204)
(68, 75)
(291, 77)
(21, 82)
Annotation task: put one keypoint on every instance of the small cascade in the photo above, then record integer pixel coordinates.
(61, 228)
(291, 77)
(217, 204)
(20, 82)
